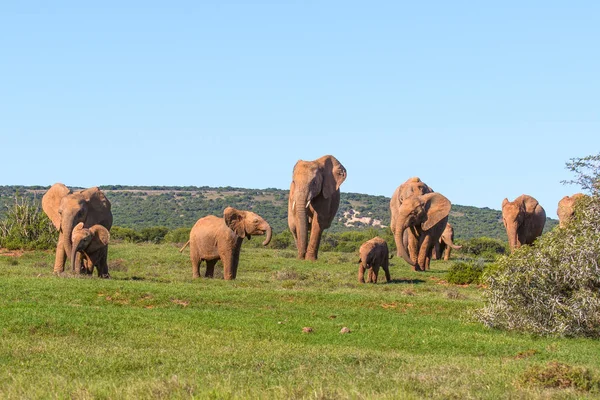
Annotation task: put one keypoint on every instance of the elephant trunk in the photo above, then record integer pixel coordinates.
(76, 247)
(268, 238)
(301, 229)
(400, 244)
(67, 229)
(513, 240)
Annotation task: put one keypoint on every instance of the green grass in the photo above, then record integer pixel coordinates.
(152, 332)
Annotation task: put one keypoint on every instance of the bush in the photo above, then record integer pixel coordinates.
(552, 287)
(27, 227)
(282, 240)
(463, 273)
(179, 235)
(485, 247)
(155, 234)
(126, 234)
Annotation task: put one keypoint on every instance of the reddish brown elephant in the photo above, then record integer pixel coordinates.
(374, 254)
(566, 208)
(213, 238)
(524, 219)
(66, 209)
(426, 217)
(313, 202)
(412, 187)
(445, 245)
(92, 243)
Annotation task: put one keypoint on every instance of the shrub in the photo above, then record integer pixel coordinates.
(179, 235)
(126, 234)
(463, 273)
(556, 375)
(27, 227)
(552, 287)
(155, 234)
(282, 240)
(485, 247)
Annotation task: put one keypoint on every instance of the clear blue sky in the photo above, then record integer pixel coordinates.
(481, 100)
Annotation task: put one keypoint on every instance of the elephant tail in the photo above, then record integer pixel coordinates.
(391, 256)
(184, 246)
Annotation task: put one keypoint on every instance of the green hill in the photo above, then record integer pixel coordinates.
(173, 206)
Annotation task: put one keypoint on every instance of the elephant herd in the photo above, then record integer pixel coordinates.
(419, 223)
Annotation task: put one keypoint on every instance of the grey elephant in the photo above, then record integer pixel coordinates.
(213, 238)
(313, 202)
(425, 216)
(92, 243)
(66, 209)
(566, 208)
(445, 245)
(524, 220)
(374, 254)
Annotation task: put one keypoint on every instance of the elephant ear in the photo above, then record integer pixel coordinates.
(437, 207)
(504, 202)
(101, 235)
(51, 202)
(234, 219)
(334, 174)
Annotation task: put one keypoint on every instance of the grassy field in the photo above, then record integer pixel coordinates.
(152, 332)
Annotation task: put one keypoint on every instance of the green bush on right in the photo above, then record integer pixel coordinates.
(553, 286)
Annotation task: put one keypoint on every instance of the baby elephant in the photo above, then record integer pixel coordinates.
(213, 238)
(92, 244)
(374, 254)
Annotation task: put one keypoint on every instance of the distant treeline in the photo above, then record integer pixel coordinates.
(172, 207)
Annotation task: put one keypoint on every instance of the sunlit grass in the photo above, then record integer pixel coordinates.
(152, 332)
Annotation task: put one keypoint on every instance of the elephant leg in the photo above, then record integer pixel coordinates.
(235, 262)
(413, 251)
(210, 268)
(424, 253)
(375, 272)
(312, 250)
(61, 255)
(386, 269)
(196, 260)
(447, 253)
(227, 260)
(361, 274)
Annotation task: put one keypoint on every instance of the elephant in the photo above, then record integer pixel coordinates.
(313, 201)
(92, 242)
(524, 220)
(213, 238)
(374, 254)
(66, 209)
(566, 208)
(445, 245)
(412, 187)
(425, 216)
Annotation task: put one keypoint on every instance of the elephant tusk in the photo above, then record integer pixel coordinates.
(294, 205)
(307, 204)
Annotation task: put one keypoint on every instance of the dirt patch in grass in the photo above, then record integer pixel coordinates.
(555, 375)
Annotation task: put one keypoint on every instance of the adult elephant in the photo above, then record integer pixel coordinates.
(213, 239)
(313, 202)
(524, 220)
(566, 208)
(425, 216)
(412, 187)
(445, 245)
(66, 209)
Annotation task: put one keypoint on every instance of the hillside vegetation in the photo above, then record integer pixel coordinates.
(173, 207)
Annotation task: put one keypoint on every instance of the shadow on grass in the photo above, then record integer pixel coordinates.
(404, 281)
